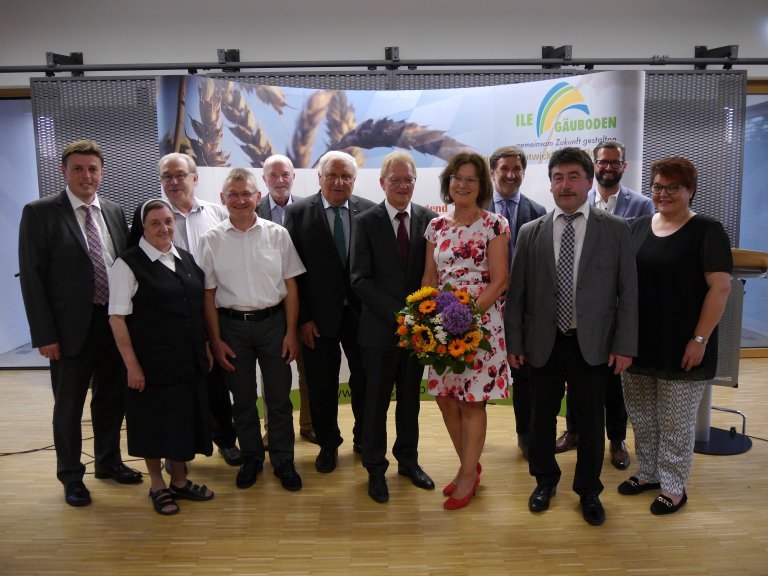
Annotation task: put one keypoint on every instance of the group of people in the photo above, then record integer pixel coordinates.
(196, 293)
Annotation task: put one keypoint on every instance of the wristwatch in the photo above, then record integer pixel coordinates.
(699, 339)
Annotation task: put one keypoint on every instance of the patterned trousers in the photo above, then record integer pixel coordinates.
(663, 416)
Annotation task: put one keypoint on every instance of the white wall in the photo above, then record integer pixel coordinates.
(148, 31)
(18, 185)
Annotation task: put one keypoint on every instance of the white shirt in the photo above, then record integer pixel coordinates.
(122, 281)
(608, 206)
(191, 227)
(107, 246)
(393, 212)
(248, 269)
(580, 230)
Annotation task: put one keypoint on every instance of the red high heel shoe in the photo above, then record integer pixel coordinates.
(448, 490)
(456, 503)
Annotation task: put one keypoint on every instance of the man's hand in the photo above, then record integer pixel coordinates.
(619, 362)
(51, 351)
(307, 334)
(516, 360)
(221, 351)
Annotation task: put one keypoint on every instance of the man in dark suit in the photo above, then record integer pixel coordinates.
(329, 312)
(279, 175)
(387, 265)
(508, 165)
(67, 243)
(609, 158)
(571, 312)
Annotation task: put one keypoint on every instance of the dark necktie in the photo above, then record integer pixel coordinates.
(402, 237)
(506, 211)
(101, 281)
(338, 235)
(565, 274)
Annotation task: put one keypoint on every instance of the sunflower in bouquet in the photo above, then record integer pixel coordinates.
(442, 328)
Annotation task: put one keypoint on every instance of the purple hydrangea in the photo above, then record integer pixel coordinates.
(456, 318)
(444, 299)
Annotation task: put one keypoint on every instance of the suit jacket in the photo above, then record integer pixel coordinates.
(263, 210)
(325, 285)
(378, 276)
(57, 278)
(527, 210)
(605, 291)
(629, 204)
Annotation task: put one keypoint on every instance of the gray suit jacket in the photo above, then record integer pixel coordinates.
(606, 292)
(325, 285)
(263, 210)
(57, 281)
(629, 204)
(378, 276)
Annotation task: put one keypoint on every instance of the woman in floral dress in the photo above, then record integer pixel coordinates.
(468, 249)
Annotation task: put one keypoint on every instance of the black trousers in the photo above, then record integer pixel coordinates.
(99, 365)
(586, 385)
(322, 365)
(521, 399)
(386, 370)
(222, 427)
(615, 410)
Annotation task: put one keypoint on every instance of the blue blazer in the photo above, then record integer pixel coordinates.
(629, 204)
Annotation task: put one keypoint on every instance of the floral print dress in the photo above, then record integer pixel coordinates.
(461, 257)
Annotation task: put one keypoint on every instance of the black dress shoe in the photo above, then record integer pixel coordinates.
(539, 500)
(231, 455)
(76, 494)
(289, 478)
(326, 460)
(417, 476)
(592, 509)
(377, 488)
(120, 473)
(246, 477)
(663, 505)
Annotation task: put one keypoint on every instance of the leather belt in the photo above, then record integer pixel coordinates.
(251, 315)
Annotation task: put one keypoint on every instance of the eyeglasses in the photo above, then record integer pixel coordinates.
(615, 164)
(400, 182)
(238, 195)
(171, 177)
(670, 189)
(468, 181)
(333, 178)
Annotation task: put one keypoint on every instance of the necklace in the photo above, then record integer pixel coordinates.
(466, 221)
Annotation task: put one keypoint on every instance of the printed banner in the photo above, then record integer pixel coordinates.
(224, 124)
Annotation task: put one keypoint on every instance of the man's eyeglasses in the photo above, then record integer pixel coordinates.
(468, 181)
(400, 182)
(171, 177)
(238, 195)
(670, 189)
(615, 164)
(333, 178)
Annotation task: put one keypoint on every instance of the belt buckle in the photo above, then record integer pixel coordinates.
(247, 316)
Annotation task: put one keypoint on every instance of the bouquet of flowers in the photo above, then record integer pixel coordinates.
(442, 328)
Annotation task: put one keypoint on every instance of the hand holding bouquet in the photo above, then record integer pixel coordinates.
(442, 328)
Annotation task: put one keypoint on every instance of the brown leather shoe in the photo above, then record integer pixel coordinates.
(619, 454)
(566, 441)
